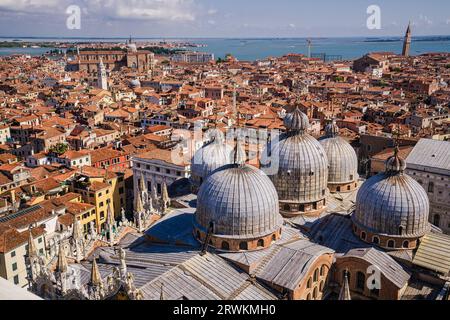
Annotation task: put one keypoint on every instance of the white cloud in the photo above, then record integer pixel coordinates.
(292, 25)
(425, 19)
(212, 11)
(168, 10)
(29, 6)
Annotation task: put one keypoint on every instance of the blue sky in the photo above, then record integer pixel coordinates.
(225, 18)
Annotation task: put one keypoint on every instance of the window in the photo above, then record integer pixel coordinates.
(391, 244)
(243, 246)
(431, 187)
(437, 220)
(308, 284)
(101, 204)
(260, 243)
(360, 281)
(40, 240)
(167, 171)
(376, 240)
(363, 235)
(315, 293)
(308, 297)
(406, 244)
(225, 245)
(13, 254)
(316, 275)
(41, 252)
(321, 286)
(178, 173)
(323, 269)
(287, 207)
(14, 266)
(16, 279)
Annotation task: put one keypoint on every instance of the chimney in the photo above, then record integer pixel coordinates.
(13, 197)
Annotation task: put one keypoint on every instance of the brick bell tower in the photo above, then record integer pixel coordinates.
(407, 42)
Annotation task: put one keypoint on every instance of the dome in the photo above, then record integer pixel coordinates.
(135, 83)
(342, 161)
(243, 204)
(302, 175)
(207, 159)
(392, 205)
(296, 121)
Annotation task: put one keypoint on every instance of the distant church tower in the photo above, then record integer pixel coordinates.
(102, 81)
(407, 42)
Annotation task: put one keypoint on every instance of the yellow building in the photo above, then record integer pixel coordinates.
(100, 188)
(13, 249)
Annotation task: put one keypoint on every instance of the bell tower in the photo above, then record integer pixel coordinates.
(407, 42)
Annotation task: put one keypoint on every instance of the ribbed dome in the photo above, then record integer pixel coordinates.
(331, 130)
(209, 158)
(296, 121)
(342, 159)
(302, 164)
(392, 203)
(241, 201)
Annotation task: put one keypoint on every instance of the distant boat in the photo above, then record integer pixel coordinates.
(35, 47)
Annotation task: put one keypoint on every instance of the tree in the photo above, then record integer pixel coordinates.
(59, 148)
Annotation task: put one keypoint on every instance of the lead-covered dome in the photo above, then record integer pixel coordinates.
(298, 167)
(209, 158)
(392, 209)
(342, 161)
(242, 203)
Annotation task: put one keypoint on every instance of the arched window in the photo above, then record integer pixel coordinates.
(302, 207)
(437, 220)
(322, 270)
(348, 188)
(406, 244)
(225, 245)
(363, 235)
(316, 275)
(338, 189)
(260, 243)
(391, 244)
(308, 297)
(322, 283)
(308, 284)
(431, 187)
(360, 281)
(400, 230)
(287, 207)
(274, 238)
(315, 293)
(376, 240)
(243, 245)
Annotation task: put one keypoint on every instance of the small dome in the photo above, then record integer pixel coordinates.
(296, 121)
(209, 158)
(331, 130)
(342, 159)
(241, 201)
(392, 203)
(135, 83)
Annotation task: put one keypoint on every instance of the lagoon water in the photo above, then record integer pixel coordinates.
(260, 48)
